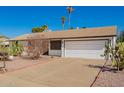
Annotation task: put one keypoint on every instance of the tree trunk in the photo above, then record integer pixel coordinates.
(69, 19)
(62, 26)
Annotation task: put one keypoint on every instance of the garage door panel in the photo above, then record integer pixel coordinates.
(84, 49)
(84, 53)
(84, 45)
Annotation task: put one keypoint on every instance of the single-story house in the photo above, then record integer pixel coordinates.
(81, 43)
(4, 40)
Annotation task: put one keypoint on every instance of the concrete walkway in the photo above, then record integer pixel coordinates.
(54, 72)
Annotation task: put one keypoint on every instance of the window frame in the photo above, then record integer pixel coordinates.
(55, 45)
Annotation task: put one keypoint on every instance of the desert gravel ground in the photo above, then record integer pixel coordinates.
(110, 78)
(51, 72)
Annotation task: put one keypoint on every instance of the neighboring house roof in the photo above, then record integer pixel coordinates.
(2, 39)
(75, 33)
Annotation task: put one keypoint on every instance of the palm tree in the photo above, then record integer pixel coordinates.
(70, 10)
(63, 21)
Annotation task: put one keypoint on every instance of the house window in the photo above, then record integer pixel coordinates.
(55, 45)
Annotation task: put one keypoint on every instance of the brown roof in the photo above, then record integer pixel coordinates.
(76, 33)
(3, 39)
(29, 36)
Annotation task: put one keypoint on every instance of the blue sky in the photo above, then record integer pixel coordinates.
(15, 21)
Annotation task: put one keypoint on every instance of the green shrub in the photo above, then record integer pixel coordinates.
(3, 49)
(15, 49)
(117, 54)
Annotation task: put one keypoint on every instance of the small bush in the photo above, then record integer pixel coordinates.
(117, 54)
(15, 49)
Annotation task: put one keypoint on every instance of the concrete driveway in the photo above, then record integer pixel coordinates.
(58, 72)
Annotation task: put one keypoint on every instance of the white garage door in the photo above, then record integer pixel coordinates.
(85, 49)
